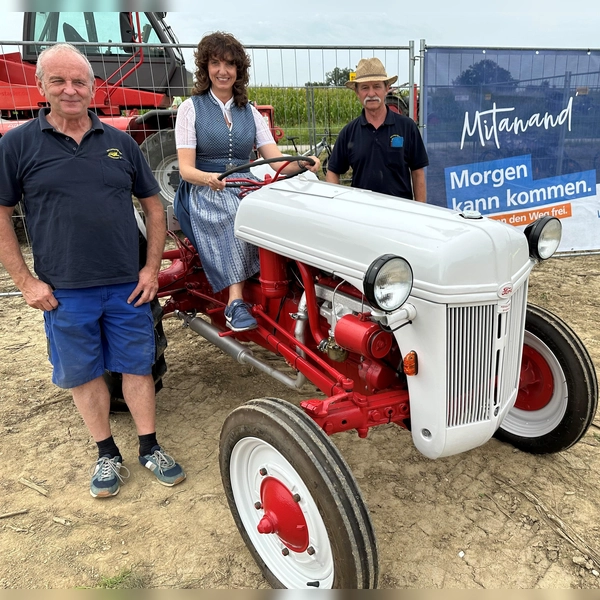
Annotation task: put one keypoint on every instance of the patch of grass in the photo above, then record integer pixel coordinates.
(125, 580)
(544, 297)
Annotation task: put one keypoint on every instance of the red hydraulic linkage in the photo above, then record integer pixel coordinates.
(355, 411)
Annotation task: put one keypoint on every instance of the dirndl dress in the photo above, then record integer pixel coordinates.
(226, 260)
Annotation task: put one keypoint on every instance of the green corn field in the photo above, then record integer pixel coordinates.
(303, 111)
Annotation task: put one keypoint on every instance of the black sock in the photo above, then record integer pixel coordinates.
(147, 442)
(108, 448)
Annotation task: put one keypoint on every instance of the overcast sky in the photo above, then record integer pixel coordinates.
(529, 23)
(514, 23)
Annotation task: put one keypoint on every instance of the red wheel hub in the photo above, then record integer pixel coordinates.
(283, 516)
(536, 383)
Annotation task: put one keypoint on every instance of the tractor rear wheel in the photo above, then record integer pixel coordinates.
(161, 153)
(294, 500)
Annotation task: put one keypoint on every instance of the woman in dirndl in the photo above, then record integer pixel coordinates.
(217, 129)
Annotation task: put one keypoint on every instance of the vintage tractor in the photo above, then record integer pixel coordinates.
(139, 71)
(399, 312)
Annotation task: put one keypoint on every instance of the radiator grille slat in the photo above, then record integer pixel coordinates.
(484, 356)
(513, 350)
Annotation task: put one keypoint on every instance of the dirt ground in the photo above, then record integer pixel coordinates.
(490, 518)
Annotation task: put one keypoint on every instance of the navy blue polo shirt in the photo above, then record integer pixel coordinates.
(383, 158)
(77, 200)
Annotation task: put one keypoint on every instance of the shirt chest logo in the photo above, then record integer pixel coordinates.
(396, 141)
(114, 153)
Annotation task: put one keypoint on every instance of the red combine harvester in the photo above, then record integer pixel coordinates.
(135, 84)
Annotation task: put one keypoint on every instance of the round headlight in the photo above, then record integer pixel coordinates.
(543, 237)
(388, 282)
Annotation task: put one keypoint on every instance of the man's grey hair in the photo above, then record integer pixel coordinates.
(60, 47)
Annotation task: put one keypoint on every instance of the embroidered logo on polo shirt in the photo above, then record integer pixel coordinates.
(114, 153)
(396, 141)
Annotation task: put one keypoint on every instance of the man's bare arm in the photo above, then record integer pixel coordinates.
(419, 185)
(35, 292)
(332, 177)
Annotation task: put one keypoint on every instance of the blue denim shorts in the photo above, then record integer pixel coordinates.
(93, 330)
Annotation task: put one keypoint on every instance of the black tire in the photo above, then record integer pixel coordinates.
(161, 153)
(270, 445)
(558, 390)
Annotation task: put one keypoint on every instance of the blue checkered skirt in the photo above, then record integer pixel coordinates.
(226, 260)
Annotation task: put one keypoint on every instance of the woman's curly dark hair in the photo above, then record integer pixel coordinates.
(222, 46)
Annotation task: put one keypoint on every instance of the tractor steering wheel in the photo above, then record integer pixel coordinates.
(268, 161)
(250, 185)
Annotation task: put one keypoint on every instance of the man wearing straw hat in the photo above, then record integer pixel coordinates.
(384, 149)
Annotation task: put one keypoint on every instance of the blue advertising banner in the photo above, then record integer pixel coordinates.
(515, 135)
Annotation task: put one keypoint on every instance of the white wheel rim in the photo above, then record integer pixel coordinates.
(536, 423)
(295, 570)
(163, 173)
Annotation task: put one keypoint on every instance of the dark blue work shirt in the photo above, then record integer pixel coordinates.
(77, 200)
(381, 159)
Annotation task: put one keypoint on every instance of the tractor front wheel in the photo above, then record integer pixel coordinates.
(558, 391)
(294, 500)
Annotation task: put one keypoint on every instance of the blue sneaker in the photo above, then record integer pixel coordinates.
(167, 471)
(238, 316)
(106, 477)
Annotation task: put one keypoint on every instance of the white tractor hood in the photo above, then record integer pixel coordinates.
(343, 230)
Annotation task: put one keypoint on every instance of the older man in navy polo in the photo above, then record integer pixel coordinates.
(76, 177)
(384, 149)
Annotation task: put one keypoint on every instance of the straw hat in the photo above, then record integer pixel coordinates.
(370, 69)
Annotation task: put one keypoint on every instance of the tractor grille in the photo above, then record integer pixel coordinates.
(484, 358)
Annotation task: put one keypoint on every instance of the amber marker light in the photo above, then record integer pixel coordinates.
(411, 363)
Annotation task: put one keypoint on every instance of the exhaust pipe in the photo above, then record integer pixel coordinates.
(241, 353)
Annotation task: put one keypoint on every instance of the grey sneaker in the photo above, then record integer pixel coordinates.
(167, 471)
(107, 477)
